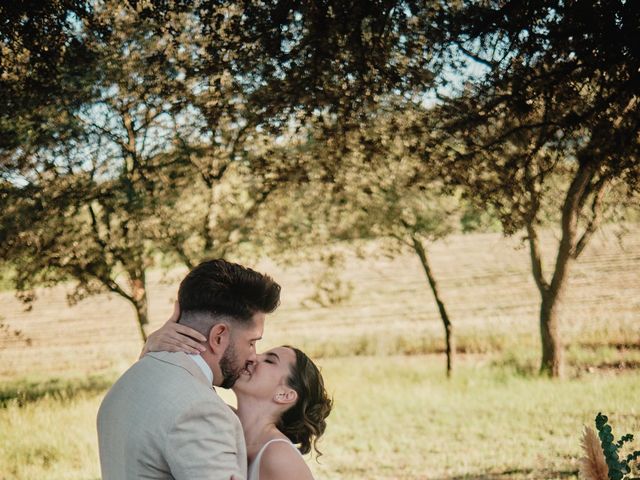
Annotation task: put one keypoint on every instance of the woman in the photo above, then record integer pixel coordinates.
(282, 403)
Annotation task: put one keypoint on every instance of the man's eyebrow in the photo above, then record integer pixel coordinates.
(271, 354)
(256, 339)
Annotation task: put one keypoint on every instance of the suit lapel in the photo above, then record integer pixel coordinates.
(181, 360)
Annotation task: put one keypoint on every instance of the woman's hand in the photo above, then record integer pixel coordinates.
(173, 337)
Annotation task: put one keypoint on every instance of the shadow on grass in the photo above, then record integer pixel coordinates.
(520, 473)
(24, 392)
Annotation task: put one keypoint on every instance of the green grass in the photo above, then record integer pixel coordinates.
(26, 391)
(395, 417)
(399, 418)
(49, 438)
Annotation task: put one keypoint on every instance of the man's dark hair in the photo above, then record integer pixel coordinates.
(225, 288)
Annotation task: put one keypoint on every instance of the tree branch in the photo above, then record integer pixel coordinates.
(474, 57)
(183, 256)
(594, 222)
(570, 209)
(536, 258)
(114, 138)
(236, 141)
(94, 228)
(81, 274)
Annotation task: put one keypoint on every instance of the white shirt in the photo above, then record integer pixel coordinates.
(206, 369)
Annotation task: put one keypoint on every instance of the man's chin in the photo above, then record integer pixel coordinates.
(229, 382)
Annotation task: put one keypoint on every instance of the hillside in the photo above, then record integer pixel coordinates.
(484, 279)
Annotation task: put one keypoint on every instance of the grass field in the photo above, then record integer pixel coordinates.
(396, 415)
(395, 418)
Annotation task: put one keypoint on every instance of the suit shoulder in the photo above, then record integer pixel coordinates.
(163, 384)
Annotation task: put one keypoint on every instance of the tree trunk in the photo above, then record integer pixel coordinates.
(140, 304)
(552, 346)
(552, 363)
(448, 327)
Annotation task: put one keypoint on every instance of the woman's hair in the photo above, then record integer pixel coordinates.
(305, 421)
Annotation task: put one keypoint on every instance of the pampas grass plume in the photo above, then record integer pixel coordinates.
(593, 465)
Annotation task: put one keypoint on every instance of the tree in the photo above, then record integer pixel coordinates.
(369, 183)
(555, 100)
(414, 213)
(400, 196)
(44, 54)
(222, 194)
(551, 125)
(310, 56)
(85, 202)
(158, 159)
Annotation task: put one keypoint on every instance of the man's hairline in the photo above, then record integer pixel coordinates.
(225, 318)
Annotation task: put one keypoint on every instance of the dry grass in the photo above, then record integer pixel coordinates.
(484, 279)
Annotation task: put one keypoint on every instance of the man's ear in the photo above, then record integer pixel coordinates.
(219, 337)
(285, 396)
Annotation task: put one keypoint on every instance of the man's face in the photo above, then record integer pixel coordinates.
(240, 354)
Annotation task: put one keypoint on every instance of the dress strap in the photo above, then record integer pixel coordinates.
(264, 447)
(254, 469)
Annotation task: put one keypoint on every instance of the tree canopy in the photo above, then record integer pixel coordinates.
(549, 130)
(186, 126)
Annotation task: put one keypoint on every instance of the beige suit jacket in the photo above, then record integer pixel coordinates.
(163, 420)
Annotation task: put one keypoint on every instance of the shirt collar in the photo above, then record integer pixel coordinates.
(197, 358)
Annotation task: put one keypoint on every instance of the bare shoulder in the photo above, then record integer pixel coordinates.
(281, 461)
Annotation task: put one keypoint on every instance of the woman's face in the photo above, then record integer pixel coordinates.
(270, 371)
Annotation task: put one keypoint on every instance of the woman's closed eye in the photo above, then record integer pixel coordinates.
(271, 358)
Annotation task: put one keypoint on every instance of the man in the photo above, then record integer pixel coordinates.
(163, 419)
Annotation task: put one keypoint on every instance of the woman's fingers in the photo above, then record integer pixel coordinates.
(172, 342)
(185, 342)
(172, 323)
(175, 337)
(177, 346)
(189, 332)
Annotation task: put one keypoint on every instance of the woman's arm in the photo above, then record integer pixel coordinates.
(173, 337)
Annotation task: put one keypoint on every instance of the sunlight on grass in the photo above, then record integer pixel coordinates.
(399, 418)
(50, 438)
(394, 418)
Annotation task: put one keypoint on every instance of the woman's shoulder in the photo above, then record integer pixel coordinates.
(281, 459)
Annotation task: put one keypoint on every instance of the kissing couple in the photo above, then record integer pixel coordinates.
(163, 419)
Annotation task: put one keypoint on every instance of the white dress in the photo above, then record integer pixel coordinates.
(254, 468)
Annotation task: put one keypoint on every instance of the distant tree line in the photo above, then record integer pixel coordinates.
(132, 131)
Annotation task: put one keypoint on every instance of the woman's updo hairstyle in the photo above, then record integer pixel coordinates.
(305, 422)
